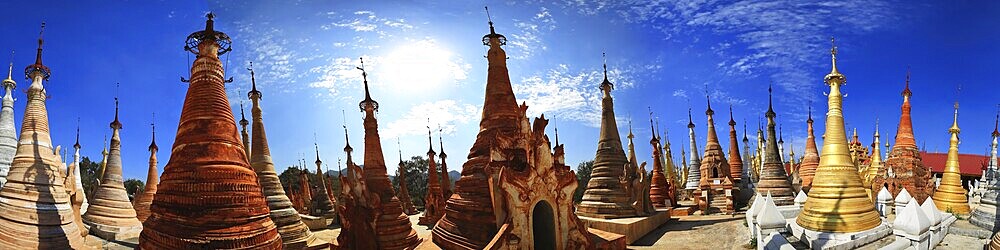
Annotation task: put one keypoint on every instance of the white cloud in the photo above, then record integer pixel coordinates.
(570, 94)
(366, 21)
(445, 114)
(528, 38)
(680, 93)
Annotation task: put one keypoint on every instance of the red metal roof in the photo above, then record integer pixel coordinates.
(969, 164)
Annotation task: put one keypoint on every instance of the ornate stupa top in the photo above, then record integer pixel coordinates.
(835, 76)
(488, 38)
(38, 66)
(906, 91)
(254, 93)
(996, 123)
(770, 111)
(367, 102)
(243, 118)
(152, 143)
(209, 34)
(606, 85)
(690, 120)
(708, 99)
(810, 120)
(347, 142)
(441, 140)
(731, 121)
(398, 147)
(9, 82)
(430, 141)
(745, 139)
(77, 144)
(318, 162)
(116, 125)
(954, 125)
(781, 139)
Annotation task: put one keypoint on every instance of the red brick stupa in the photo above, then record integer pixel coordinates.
(434, 200)
(904, 159)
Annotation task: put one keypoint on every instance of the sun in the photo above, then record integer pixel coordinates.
(421, 65)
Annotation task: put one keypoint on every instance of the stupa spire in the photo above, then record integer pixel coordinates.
(694, 164)
(434, 199)
(8, 135)
(322, 205)
(42, 70)
(773, 177)
(714, 166)
(111, 215)
(836, 182)
(904, 159)
(445, 179)
(735, 160)
(145, 198)
(404, 192)
(950, 195)
(659, 191)
(243, 132)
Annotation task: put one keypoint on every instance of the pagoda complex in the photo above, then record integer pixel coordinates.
(35, 210)
(445, 179)
(110, 215)
(694, 164)
(294, 233)
(773, 178)
(605, 195)
(715, 189)
(434, 199)
(498, 201)
(208, 160)
(145, 198)
(392, 227)
(8, 135)
(810, 160)
(659, 191)
(321, 205)
(985, 215)
(904, 159)
(837, 203)
(404, 193)
(950, 196)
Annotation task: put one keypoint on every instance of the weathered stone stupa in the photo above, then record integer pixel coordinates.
(773, 178)
(671, 172)
(111, 215)
(434, 200)
(208, 160)
(605, 195)
(950, 196)
(356, 207)
(305, 190)
(875, 175)
(294, 233)
(985, 215)
(694, 163)
(145, 198)
(35, 209)
(837, 202)
(8, 136)
(445, 179)
(904, 159)
(735, 161)
(404, 192)
(659, 191)
(393, 228)
(810, 160)
(244, 136)
(74, 187)
(321, 205)
(639, 187)
(715, 189)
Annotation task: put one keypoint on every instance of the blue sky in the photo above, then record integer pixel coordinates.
(425, 61)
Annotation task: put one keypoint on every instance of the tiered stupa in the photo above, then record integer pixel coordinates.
(356, 207)
(404, 192)
(659, 191)
(393, 228)
(243, 132)
(837, 201)
(904, 159)
(747, 165)
(145, 198)
(305, 190)
(8, 135)
(35, 210)
(773, 178)
(208, 160)
(74, 187)
(715, 189)
(294, 233)
(445, 179)
(810, 160)
(671, 172)
(638, 186)
(859, 153)
(735, 161)
(694, 164)
(606, 196)
(110, 215)
(321, 205)
(434, 200)
(950, 196)
(985, 215)
(875, 175)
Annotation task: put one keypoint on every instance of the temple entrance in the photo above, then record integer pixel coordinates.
(543, 226)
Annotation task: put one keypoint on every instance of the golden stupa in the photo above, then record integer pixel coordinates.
(837, 200)
(950, 196)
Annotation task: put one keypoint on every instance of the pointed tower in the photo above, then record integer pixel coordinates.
(470, 222)
(104, 160)
(950, 195)
(859, 153)
(671, 172)
(321, 204)
(694, 165)
(904, 159)
(208, 160)
(305, 189)
(404, 192)
(810, 160)
(659, 191)
(77, 196)
(837, 201)
(747, 163)
(33, 182)
(715, 189)
(294, 233)
(605, 196)
(773, 178)
(8, 137)
(735, 162)
(985, 215)
(874, 176)
(445, 179)
(357, 206)
(781, 147)
(434, 200)
(145, 198)
(394, 228)
(111, 215)
(243, 132)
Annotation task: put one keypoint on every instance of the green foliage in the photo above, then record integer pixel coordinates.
(290, 180)
(582, 178)
(132, 187)
(416, 179)
(88, 175)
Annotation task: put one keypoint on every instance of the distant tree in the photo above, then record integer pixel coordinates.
(290, 180)
(416, 179)
(582, 178)
(133, 186)
(88, 175)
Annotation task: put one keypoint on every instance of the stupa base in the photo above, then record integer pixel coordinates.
(839, 241)
(632, 228)
(112, 233)
(314, 222)
(984, 216)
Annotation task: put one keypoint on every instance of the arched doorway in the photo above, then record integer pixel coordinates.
(543, 226)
